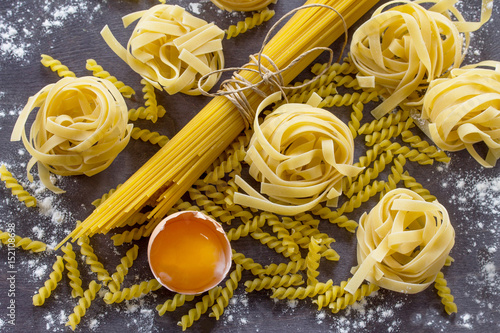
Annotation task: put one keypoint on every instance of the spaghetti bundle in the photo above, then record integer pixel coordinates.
(300, 153)
(162, 180)
(171, 48)
(402, 243)
(80, 127)
(243, 5)
(407, 46)
(464, 109)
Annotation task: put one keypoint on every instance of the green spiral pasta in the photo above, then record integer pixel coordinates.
(135, 291)
(122, 269)
(249, 23)
(91, 259)
(302, 292)
(83, 304)
(99, 72)
(444, 292)
(51, 284)
(276, 281)
(200, 308)
(222, 301)
(341, 303)
(172, 304)
(16, 188)
(24, 242)
(56, 66)
(149, 136)
(129, 236)
(73, 273)
(312, 261)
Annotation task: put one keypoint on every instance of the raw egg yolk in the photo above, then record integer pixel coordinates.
(188, 256)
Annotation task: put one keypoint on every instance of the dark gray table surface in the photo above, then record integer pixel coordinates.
(69, 31)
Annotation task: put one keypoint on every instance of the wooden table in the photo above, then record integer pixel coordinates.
(69, 31)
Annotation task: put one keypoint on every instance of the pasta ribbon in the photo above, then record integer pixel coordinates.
(80, 127)
(464, 109)
(407, 46)
(242, 5)
(402, 243)
(300, 153)
(171, 49)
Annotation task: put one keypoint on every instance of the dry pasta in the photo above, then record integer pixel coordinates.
(99, 72)
(91, 259)
(135, 291)
(24, 242)
(242, 5)
(405, 47)
(73, 273)
(122, 269)
(276, 281)
(83, 304)
(200, 308)
(171, 49)
(463, 110)
(445, 293)
(16, 188)
(402, 243)
(299, 154)
(249, 23)
(222, 301)
(56, 66)
(80, 127)
(50, 284)
(172, 304)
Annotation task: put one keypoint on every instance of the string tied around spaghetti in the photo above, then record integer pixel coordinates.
(271, 77)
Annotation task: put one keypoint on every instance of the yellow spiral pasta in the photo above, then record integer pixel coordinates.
(222, 301)
(147, 135)
(249, 23)
(312, 261)
(129, 236)
(283, 269)
(242, 5)
(276, 244)
(330, 295)
(98, 202)
(299, 154)
(83, 304)
(56, 66)
(24, 242)
(122, 269)
(247, 263)
(403, 243)
(384, 122)
(91, 259)
(445, 293)
(80, 127)
(341, 303)
(200, 308)
(73, 273)
(464, 109)
(171, 49)
(136, 291)
(51, 284)
(172, 304)
(302, 292)
(16, 188)
(276, 281)
(99, 72)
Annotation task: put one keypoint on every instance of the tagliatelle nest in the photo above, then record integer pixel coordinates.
(300, 153)
(80, 128)
(171, 48)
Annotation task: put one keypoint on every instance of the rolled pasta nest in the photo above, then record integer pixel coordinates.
(464, 109)
(405, 47)
(403, 243)
(171, 49)
(300, 153)
(80, 128)
(243, 5)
